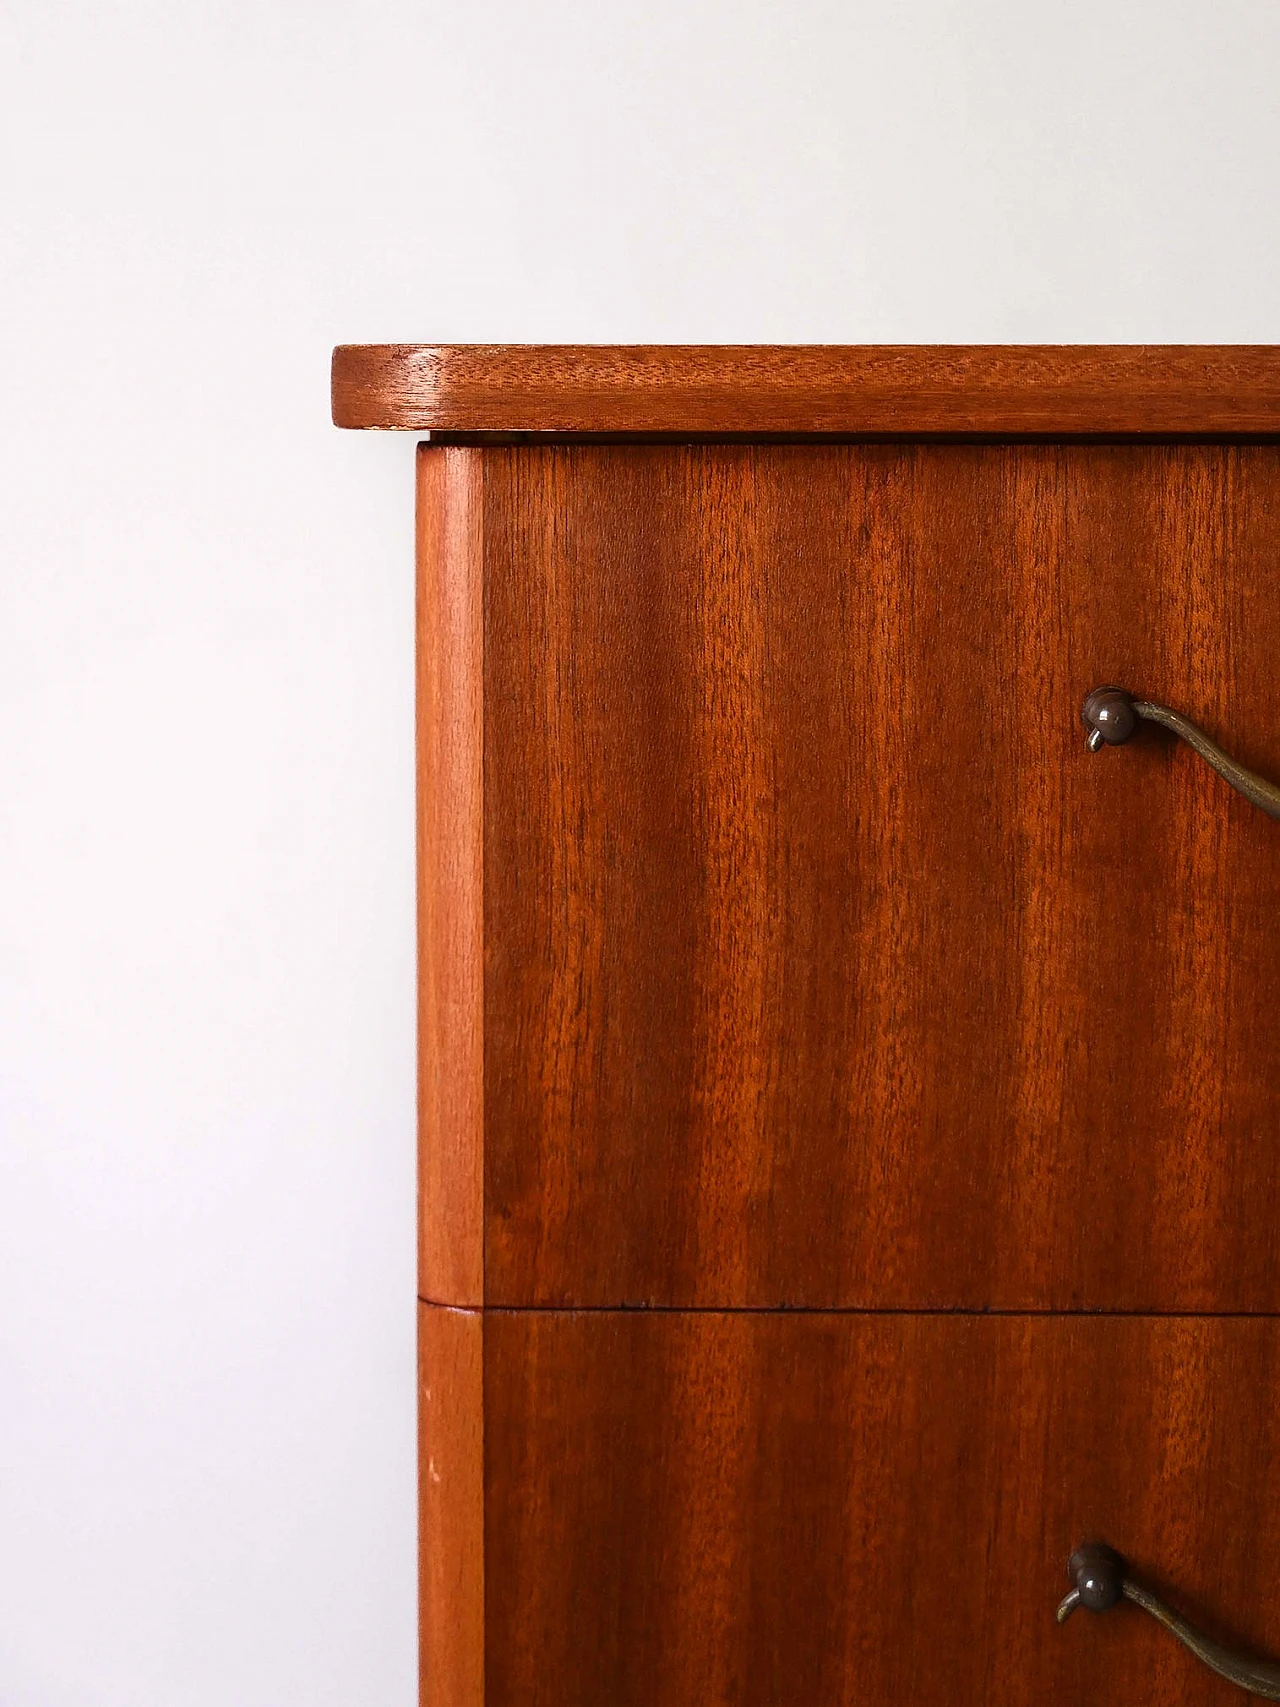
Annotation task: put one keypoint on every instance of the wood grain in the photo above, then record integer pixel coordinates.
(824, 966)
(783, 949)
(911, 390)
(451, 1504)
(450, 714)
(772, 1510)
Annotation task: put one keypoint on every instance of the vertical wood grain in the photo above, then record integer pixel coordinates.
(788, 1510)
(451, 1506)
(824, 966)
(450, 713)
(782, 945)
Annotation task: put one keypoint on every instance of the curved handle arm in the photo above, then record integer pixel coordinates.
(1112, 716)
(1101, 1579)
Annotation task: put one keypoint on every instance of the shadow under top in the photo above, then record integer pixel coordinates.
(812, 390)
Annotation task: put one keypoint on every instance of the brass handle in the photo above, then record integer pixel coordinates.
(1101, 1579)
(1112, 716)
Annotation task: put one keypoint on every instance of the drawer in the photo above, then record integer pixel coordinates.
(784, 944)
(653, 1509)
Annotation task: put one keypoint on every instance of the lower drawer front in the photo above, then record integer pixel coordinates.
(682, 1509)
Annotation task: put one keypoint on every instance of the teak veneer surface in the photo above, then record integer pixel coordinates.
(450, 867)
(914, 390)
(823, 966)
(784, 1511)
(451, 1504)
(838, 1089)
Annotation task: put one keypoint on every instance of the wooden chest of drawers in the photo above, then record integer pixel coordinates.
(850, 1164)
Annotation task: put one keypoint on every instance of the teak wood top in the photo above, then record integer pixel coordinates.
(976, 390)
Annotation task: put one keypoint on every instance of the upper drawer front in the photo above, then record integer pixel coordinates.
(823, 963)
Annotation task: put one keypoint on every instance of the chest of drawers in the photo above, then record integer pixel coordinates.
(850, 1164)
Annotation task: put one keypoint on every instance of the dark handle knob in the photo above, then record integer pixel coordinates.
(1101, 1580)
(1112, 717)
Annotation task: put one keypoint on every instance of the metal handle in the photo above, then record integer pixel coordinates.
(1112, 716)
(1101, 1579)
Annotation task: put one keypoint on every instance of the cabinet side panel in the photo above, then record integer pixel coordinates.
(450, 877)
(451, 1506)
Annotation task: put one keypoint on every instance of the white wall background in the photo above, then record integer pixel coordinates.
(206, 980)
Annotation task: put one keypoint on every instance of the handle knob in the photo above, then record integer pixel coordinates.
(1112, 716)
(1101, 1579)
